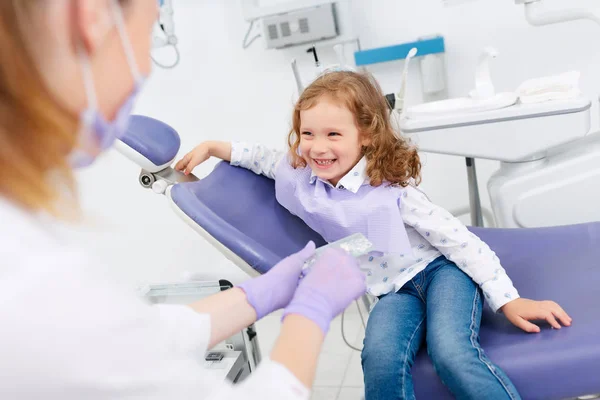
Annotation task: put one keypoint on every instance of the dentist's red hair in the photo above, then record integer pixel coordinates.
(36, 135)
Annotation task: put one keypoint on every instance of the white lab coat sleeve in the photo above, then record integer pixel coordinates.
(459, 245)
(189, 333)
(196, 335)
(257, 158)
(270, 381)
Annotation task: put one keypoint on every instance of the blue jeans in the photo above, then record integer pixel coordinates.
(442, 305)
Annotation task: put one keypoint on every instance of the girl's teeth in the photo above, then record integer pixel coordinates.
(320, 162)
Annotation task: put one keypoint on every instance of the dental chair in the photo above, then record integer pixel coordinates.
(236, 211)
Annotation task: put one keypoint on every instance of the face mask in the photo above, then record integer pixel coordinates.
(96, 133)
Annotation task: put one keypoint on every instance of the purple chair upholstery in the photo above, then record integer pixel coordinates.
(153, 139)
(239, 209)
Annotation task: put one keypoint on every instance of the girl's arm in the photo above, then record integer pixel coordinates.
(452, 238)
(257, 158)
(254, 157)
(203, 152)
(477, 260)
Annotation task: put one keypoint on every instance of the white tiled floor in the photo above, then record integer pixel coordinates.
(339, 374)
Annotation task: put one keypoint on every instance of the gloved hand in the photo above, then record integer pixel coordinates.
(274, 290)
(331, 284)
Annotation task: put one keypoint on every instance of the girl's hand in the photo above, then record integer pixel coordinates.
(194, 158)
(521, 311)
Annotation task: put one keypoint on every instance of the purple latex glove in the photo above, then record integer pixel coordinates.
(275, 289)
(330, 286)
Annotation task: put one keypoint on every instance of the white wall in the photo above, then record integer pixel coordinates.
(221, 91)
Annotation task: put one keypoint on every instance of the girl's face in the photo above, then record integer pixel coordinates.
(330, 141)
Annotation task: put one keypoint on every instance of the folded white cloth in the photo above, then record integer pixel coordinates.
(556, 87)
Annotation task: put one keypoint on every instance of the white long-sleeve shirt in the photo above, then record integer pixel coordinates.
(432, 231)
(66, 332)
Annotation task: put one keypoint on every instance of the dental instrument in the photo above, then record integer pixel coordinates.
(430, 50)
(396, 101)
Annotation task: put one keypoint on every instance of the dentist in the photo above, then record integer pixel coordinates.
(69, 74)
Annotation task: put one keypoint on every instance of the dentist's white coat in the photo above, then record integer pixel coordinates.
(67, 332)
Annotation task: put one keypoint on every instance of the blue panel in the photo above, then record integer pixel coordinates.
(399, 52)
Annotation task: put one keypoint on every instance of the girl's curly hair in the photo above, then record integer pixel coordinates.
(390, 159)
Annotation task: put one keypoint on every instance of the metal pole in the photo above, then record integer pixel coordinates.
(474, 200)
